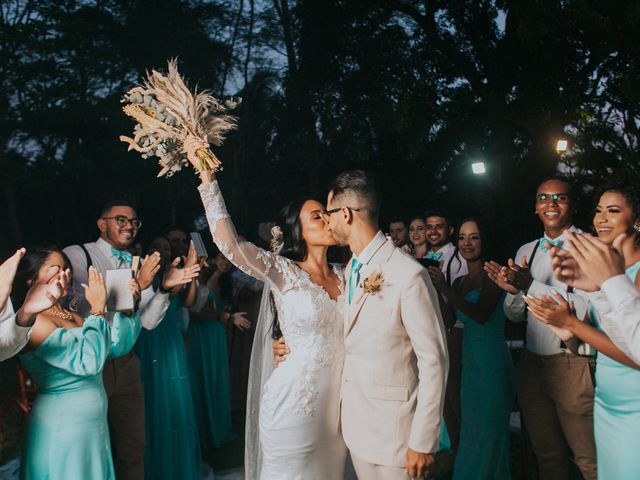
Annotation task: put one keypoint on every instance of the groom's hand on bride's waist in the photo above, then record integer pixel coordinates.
(419, 464)
(280, 351)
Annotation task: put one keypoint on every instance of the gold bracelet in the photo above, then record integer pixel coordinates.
(97, 314)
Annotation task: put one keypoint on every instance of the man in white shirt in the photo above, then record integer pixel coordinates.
(118, 225)
(589, 264)
(555, 388)
(439, 230)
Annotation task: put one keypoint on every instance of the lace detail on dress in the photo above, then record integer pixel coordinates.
(312, 323)
(214, 205)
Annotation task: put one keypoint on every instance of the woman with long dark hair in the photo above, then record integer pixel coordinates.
(488, 377)
(299, 407)
(68, 436)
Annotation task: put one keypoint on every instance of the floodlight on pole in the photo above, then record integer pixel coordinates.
(562, 146)
(478, 168)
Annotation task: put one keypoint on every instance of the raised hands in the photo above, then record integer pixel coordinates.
(500, 276)
(175, 276)
(7, 273)
(588, 262)
(148, 270)
(42, 296)
(555, 312)
(96, 292)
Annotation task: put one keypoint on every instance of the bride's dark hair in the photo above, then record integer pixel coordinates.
(294, 247)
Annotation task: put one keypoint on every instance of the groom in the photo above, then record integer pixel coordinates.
(396, 364)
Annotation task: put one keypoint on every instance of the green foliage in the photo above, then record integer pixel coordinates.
(411, 89)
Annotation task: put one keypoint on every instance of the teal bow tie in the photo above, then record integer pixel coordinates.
(354, 278)
(555, 243)
(434, 256)
(123, 257)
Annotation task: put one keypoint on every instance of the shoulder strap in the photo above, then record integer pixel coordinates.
(87, 255)
(533, 254)
(447, 274)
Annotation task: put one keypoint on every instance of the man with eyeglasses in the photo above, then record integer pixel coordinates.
(555, 387)
(119, 224)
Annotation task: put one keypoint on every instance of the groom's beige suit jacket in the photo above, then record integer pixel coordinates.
(396, 363)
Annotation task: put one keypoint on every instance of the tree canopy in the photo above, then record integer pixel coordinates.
(415, 90)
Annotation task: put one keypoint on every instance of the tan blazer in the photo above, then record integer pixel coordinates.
(396, 363)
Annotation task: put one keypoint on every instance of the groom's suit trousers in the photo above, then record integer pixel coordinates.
(370, 471)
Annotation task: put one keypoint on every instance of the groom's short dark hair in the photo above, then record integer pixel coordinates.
(361, 186)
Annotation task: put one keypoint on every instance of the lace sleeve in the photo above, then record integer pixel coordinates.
(278, 272)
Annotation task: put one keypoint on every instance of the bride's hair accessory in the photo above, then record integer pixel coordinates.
(277, 239)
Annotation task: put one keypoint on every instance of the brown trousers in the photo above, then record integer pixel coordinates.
(454, 380)
(125, 394)
(555, 393)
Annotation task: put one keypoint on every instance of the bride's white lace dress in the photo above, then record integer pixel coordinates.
(299, 410)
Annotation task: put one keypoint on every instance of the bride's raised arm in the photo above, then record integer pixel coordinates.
(266, 266)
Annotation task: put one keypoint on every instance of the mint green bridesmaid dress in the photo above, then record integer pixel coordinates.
(208, 360)
(68, 436)
(173, 450)
(486, 397)
(616, 413)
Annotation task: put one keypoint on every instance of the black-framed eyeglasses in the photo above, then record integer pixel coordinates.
(326, 214)
(123, 221)
(553, 197)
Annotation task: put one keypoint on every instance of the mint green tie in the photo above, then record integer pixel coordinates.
(354, 279)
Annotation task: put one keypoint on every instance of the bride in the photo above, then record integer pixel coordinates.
(299, 405)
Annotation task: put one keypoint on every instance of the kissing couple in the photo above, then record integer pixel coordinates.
(368, 362)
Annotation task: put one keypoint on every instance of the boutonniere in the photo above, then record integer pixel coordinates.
(371, 284)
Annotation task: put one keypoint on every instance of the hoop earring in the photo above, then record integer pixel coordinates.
(636, 227)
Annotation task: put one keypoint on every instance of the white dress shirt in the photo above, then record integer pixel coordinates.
(540, 339)
(13, 337)
(618, 307)
(153, 305)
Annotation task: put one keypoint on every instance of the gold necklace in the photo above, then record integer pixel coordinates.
(60, 313)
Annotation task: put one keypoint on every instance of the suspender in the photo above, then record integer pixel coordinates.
(569, 290)
(447, 274)
(87, 255)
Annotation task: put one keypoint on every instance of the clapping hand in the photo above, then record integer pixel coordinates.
(96, 292)
(175, 276)
(595, 260)
(555, 312)
(134, 289)
(496, 274)
(148, 270)
(7, 273)
(42, 296)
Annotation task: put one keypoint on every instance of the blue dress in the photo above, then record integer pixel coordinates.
(486, 398)
(68, 435)
(208, 361)
(616, 413)
(172, 450)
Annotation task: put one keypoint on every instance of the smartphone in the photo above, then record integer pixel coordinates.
(428, 262)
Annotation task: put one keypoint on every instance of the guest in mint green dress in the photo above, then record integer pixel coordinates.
(616, 413)
(172, 450)
(68, 436)
(488, 375)
(208, 357)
